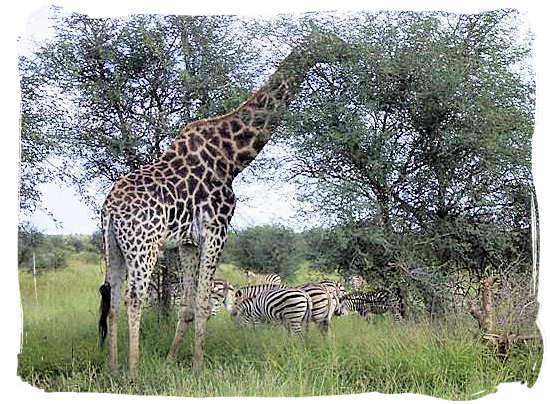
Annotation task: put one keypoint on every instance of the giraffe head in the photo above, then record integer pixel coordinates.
(326, 47)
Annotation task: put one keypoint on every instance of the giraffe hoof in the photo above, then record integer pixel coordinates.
(132, 377)
(198, 365)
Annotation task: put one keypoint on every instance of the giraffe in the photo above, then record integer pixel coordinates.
(185, 198)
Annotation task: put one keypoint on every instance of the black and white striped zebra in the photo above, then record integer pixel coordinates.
(324, 303)
(257, 279)
(252, 290)
(290, 306)
(376, 301)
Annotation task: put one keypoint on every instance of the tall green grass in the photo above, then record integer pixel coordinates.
(60, 352)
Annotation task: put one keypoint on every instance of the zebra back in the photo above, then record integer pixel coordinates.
(334, 287)
(252, 290)
(376, 301)
(258, 279)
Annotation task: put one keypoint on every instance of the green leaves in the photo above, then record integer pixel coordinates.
(430, 116)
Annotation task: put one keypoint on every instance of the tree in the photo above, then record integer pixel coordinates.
(127, 85)
(426, 133)
(37, 140)
(429, 122)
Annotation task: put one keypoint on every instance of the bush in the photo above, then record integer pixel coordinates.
(89, 257)
(49, 252)
(264, 249)
(47, 260)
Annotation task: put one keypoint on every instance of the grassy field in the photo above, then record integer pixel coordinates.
(60, 352)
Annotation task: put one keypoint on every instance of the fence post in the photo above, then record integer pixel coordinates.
(34, 274)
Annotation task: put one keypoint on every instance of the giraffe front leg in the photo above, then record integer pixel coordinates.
(189, 262)
(210, 252)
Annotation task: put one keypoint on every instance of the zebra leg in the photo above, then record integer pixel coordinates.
(189, 261)
(368, 316)
(323, 327)
(295, 327)
(213, 240)
(397, 314)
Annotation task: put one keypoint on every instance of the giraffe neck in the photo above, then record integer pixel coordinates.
(252, 124)
(241, 134)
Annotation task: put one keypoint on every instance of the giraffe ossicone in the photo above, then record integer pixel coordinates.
(186, 197)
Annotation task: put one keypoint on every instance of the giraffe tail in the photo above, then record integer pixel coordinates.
(105, 306)
(105, 289)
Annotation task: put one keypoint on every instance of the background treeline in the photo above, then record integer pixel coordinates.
(51, 252)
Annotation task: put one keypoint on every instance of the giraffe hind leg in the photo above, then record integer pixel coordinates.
(211, 246)
(189, 261)
(110, 296)
(139, 274)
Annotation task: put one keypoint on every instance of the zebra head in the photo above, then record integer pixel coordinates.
(342, 309)
(241, 311)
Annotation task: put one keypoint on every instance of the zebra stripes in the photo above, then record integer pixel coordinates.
(333, 287)
(257, 279)
(323, 304)
(325, 297)
(252, 290)
(376, 301)
(290, 306)
(357, 282)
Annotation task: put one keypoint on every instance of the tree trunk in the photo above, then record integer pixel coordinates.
(405, 307)
(485, 315)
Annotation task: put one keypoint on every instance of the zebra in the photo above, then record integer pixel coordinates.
(291, 306)
(257, 279)
(334, 287)
(357, 282)
(252, 290)
(221, 292)
(376, 301)
(324, 303)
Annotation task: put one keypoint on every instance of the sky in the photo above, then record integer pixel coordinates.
(28, 18)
